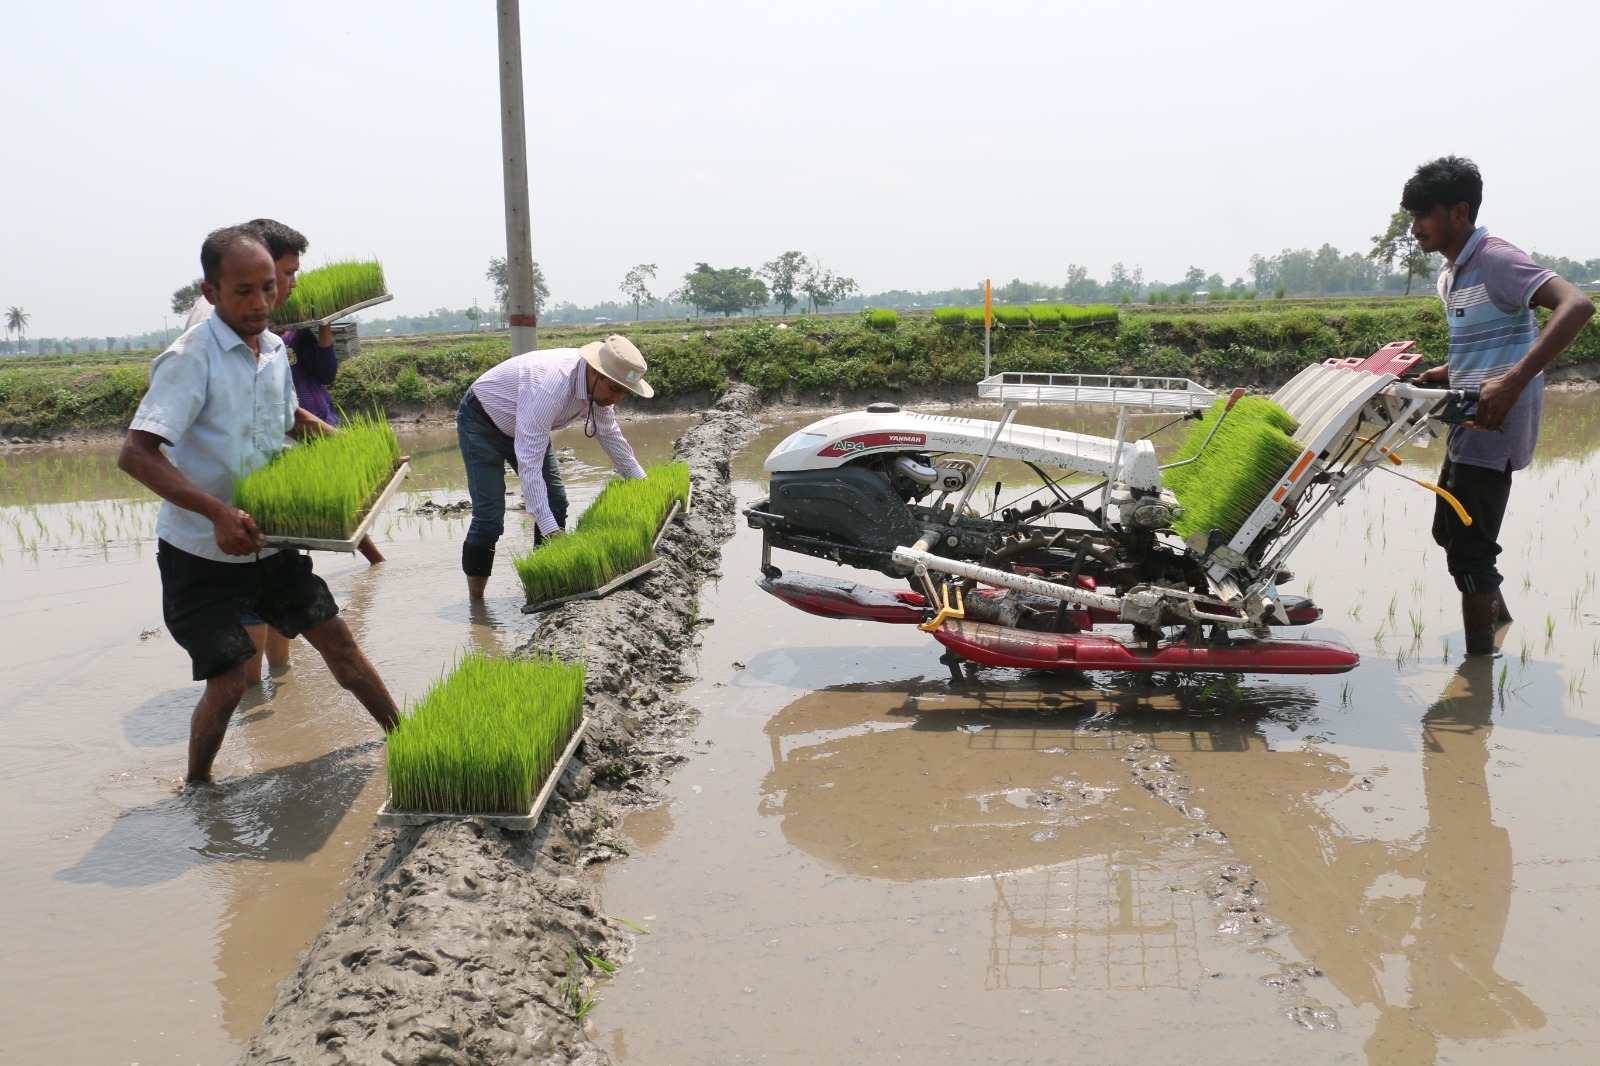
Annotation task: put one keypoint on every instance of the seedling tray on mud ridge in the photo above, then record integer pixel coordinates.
(616, 582)
(350, 543)
(328, 320)
(524, 822)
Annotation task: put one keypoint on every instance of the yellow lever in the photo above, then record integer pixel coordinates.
(945, 610)
(1387, 454)
(1461, 512)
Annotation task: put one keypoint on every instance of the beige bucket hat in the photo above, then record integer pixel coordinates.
(619, 360)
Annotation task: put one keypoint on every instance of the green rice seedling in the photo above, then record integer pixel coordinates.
(1011, 317)
(884, 318)
(1252, 451)
(1417, 625)
(950, 316)
(974, 316)
(615, 535)
(323, 487)
(1549, 626)
(572, 990)
(483, 739)
(330, 289)
(1044, 316)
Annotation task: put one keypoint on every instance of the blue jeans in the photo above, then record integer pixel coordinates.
(485, 451)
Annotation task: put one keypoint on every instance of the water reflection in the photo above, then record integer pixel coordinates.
(1449, 925)
(283, 814)
(1028, 783)
(1024, 782)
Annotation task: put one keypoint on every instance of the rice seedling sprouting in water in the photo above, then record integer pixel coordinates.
(322, 487)
(483, 739)
(615, 535)
(331, 288)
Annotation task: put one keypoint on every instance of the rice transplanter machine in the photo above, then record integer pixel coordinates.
(1135, 572)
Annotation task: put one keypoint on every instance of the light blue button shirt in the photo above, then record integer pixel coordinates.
(223, 413)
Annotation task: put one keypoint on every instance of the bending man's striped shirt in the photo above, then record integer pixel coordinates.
(528, 397)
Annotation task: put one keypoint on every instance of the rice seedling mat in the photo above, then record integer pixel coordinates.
(350, 543)
(524, 822)
(616, 582)
(328, 320)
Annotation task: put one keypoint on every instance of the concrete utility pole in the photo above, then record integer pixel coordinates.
(514, 146)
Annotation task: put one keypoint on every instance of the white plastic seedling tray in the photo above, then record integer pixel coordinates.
(349, 543)
(329, 320)
(616, 582)
(524, 822)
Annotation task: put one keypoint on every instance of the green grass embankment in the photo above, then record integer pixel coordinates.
(1253, 343)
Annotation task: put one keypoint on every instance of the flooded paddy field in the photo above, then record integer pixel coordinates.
(863, 858)
(152, 927)
(868, 860)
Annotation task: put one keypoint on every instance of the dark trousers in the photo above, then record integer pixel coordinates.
(486, 451)
(1470, 551)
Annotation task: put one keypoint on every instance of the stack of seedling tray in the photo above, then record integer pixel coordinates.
(331, 292)
(487, 742)
(1252, 450)
(323, 493)
(614, 542)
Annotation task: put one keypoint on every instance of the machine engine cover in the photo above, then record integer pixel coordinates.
(847, 506)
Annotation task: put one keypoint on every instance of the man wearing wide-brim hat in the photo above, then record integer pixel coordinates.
(507, 416)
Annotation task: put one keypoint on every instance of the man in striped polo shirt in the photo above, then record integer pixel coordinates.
(1489, 289)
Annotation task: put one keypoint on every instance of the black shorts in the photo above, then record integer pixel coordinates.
(204, 603)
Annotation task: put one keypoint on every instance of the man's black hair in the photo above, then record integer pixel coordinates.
(279, 239)
(1449, 180)
(216, 245)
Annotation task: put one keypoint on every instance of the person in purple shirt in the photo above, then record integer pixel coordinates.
(312, 374)
(1490, 289)
(314, 365)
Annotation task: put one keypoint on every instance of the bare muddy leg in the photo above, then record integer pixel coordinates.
(209, 723)
(351, 668)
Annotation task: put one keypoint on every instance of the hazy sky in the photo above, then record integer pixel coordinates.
(908, 145)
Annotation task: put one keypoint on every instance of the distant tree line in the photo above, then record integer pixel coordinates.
(795, 280)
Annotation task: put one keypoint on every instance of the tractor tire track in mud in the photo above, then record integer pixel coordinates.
(1238, 897)
(457, 943)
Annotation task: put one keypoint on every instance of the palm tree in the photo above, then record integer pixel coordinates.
(17, 319)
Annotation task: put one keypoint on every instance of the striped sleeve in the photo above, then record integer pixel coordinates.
(1510, 275)
(538, 404)
(609, 435)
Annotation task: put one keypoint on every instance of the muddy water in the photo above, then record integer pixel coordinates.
(146, 926)
(870, 860)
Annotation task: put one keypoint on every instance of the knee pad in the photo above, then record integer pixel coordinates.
(476, 560)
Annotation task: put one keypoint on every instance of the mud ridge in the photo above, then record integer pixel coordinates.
(458, 943)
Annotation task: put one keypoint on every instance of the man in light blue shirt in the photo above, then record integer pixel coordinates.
(221, 400)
